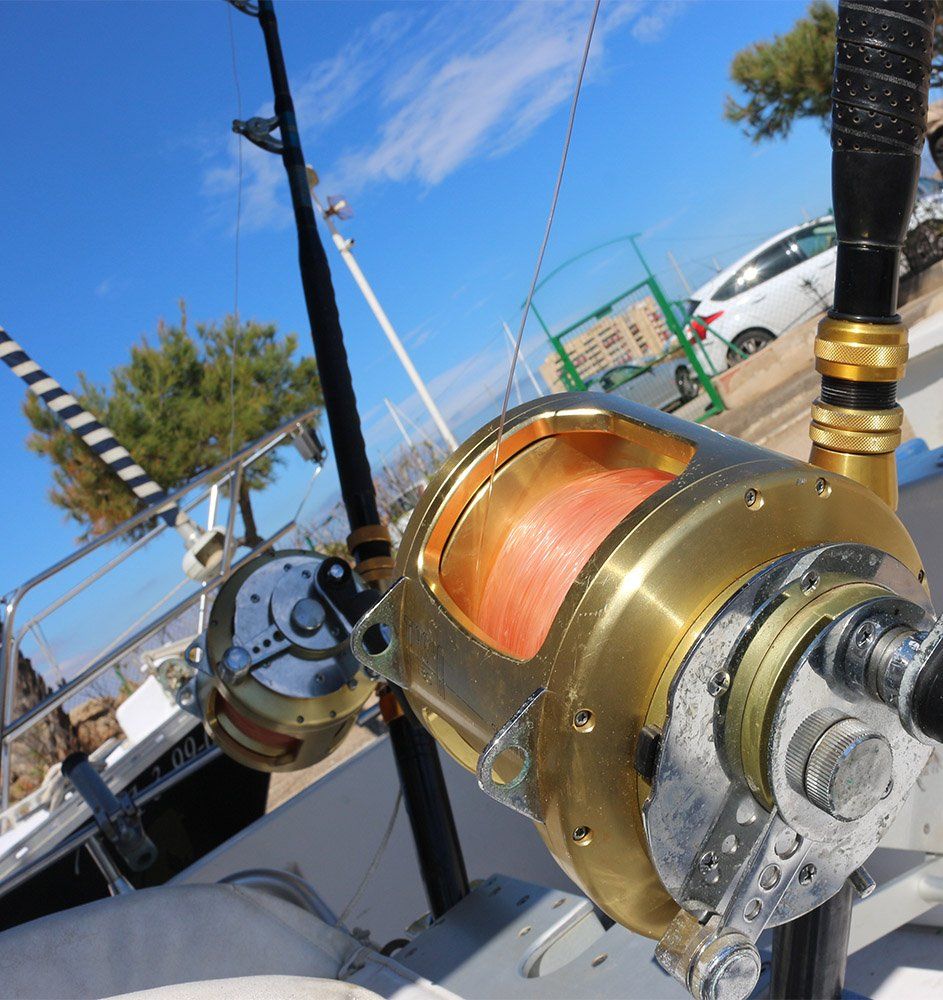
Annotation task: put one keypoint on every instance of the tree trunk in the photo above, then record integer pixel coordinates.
(250, 536)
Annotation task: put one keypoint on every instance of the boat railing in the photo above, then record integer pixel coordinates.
(223, 480)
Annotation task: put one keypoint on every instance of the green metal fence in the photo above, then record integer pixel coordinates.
(681, 352)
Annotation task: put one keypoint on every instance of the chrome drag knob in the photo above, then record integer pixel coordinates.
(843, 767)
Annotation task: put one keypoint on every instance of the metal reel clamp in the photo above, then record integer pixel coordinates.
(738, 857)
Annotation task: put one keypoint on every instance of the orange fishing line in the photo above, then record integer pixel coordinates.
(545, 551)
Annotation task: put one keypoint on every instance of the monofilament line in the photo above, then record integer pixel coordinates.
(540, 258)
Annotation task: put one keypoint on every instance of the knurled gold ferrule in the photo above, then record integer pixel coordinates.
(861, 352)
(859, 444)
(859, 432)
(368, 533)
(376, 570)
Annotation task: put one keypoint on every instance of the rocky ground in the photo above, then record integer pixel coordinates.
(85, 727)
(48, 742)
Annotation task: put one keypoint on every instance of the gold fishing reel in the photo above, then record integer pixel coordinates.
(276, 684)
(695, 733)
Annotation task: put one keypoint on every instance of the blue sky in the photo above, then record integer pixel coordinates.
(443, 126)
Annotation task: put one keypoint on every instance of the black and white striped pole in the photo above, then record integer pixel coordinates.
(204, 548)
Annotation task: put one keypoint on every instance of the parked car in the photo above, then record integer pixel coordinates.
(664, 385)
(791, 278)
(785, 280)
(924, 243)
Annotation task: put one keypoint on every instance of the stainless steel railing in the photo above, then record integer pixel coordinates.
(228, 476)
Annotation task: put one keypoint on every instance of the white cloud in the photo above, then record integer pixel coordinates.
(105, 286)
(652, 22)
(263, 186)
(459, 82)
(477, 92)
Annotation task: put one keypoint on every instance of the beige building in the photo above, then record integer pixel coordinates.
(633, 335)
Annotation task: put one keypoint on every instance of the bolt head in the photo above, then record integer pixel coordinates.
(307, 616)
(864, 635)
(749, 498)
(709, 861)
(336, 571)
(728, 968)
(718, 683)
(809, 582)
(235, 664)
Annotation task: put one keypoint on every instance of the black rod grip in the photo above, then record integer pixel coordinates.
(879, 114)
(810, 953)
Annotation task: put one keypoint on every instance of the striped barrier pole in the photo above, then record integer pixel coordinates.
(100, 440)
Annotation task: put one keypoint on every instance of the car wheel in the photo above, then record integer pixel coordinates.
(687, 385)
(750, 341)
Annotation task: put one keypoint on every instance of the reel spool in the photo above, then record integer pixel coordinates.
(642, 638)
(276, 684)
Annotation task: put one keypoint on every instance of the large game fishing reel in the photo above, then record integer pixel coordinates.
(276, 684)
(709, 673)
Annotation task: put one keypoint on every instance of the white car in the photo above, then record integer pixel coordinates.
(784, 281)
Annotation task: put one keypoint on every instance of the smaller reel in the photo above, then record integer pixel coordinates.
(276, 684)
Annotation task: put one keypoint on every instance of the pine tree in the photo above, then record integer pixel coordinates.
(790, 77)
(171, 407)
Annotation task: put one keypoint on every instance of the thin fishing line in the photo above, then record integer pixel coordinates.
(533, 285)
(235, 296)
(374, 864)
(550, 217)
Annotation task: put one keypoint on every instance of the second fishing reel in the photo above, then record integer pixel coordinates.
(276, 684)
(709, 673)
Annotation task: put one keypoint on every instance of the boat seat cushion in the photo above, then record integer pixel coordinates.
(257, 988)
(178, 934)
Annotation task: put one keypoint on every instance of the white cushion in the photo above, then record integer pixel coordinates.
(256, 988)
(167, 935)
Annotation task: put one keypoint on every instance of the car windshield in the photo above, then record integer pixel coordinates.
(765, 265)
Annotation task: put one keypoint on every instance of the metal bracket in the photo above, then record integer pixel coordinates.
(373, 640)
(721, 855)
(245, 7)
(765, 876)
(259, 132)
(517, 734)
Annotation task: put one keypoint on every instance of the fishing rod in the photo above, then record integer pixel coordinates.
(368, 541)
(330, 595)
(204, 548)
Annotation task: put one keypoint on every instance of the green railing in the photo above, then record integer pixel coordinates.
(671, 311)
